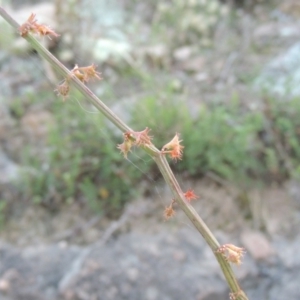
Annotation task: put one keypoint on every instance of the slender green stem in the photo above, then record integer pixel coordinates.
(158, 157)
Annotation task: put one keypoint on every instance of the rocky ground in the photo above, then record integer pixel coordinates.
(138, 259)
(72, 255)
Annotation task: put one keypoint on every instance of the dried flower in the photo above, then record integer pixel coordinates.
(142, 137)
(63, 90)
(132, 138)
(126, 145)
(75, 71)
(190, 195)
(232, 253)
(29, 25)
(44, 30)
(169, 211)
(90, 72)
(84, 74)
(173, 148)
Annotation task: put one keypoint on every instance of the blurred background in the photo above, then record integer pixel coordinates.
(78, 221)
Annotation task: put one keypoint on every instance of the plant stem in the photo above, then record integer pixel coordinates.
(159, 158)
(188, 209)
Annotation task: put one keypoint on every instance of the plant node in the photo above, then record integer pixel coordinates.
(32, 26)
(137, 138)
(231, 253)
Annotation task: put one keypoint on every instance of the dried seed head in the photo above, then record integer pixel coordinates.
(63, 90)
(142, 137)
(90, 72)
(190, 195)
(75, 71)
(31, 25)
(173, 148)
(44, 30)
(125, 147)
(84, 74)
(132, 138)
(28, 25)
(232, 253)
(169, 212)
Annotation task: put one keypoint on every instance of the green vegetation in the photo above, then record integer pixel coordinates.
(3, 207)
(81, 160)
(237, 144)
(181, 22)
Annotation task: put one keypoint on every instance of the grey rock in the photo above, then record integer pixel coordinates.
(287, 287)
(288, 252)
(9, 170)
(281, 76)
(145, 267)
(166, 265)
(257, 245)
(34, 273)
(294, 191)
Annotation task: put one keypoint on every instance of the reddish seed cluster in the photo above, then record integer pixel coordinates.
(84, 74)
(137, 138)
(142, 137)
(32, 26)
(190, 195)
(169, 211)
(63, 90)
(173, 148)
(125, 147)
(232, 253)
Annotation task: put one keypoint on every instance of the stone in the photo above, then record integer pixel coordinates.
(9, 170)
(257, 245)
(195, 64)
(282, 75)
(183, 53)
